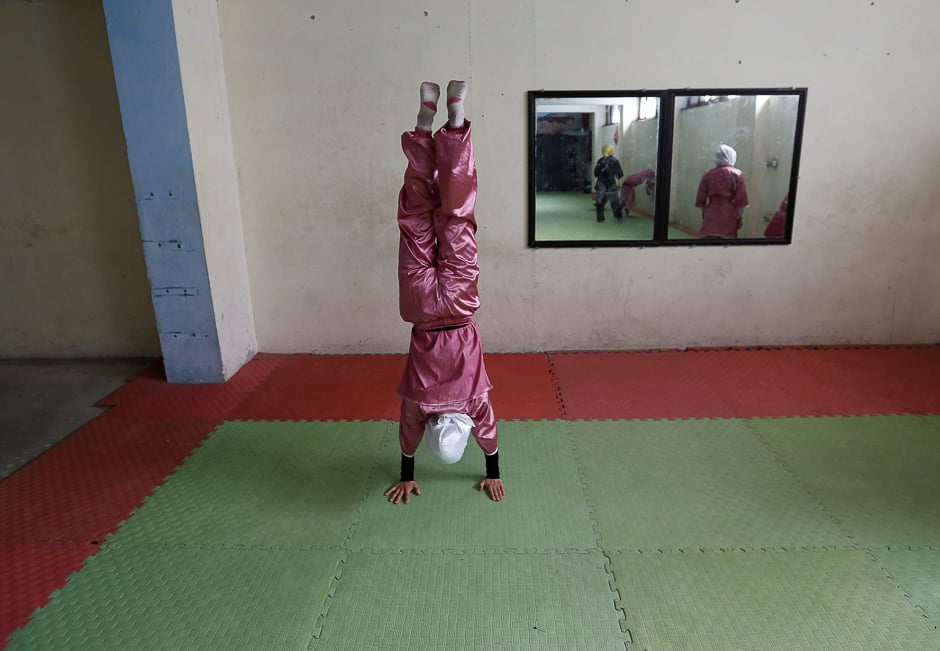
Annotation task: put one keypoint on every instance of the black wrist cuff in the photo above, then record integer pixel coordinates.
(407, 468)
(492, 465)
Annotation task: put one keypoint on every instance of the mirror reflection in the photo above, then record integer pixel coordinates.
(732, 162)
(594, 161)
(639, 168)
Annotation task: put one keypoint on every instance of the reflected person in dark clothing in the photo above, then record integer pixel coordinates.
(608, 172)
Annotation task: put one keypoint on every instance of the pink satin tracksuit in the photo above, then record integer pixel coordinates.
(778, 223)
(720, 193)
(628, 187)
(437, 281)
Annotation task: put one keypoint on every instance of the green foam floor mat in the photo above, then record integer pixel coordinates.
(720, 534)
(879, 476)
(544, 508)
(157, 597)
(473, 601)
(917, 571)
(694, 484)
(812, 600)
(271, 483)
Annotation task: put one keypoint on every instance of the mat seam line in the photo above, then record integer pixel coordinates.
(324, 608)
(616, 594)
(796, 478)
(556, 386)
(902, 589)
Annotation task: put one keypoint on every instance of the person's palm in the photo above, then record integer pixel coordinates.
(402, 491)
(494, 487)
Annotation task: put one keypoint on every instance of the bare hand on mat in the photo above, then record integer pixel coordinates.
(402, 489)
(494, 487)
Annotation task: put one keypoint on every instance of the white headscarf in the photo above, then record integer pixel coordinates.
(446, 435)
(725, 156)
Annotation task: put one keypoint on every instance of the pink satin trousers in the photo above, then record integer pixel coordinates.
(437, 280)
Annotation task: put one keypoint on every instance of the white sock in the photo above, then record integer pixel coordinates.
(430, 93)
(456, 91)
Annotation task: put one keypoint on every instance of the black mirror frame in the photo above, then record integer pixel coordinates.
(664, 165)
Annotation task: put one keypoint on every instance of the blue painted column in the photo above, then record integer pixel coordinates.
(145, 52)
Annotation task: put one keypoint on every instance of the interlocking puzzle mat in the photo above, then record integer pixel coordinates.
(523, 386)
(29, 572)
(810, 600)
(326, 387)
(80, 490)
(134, 596)
(879, 476)
(545, 507)
(263, 483)
(692, 534)
(744, 383)
(917, 572)
(454, 600)
(692, 484)
(149, 396)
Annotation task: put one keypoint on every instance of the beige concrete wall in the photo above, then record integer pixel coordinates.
(319, 94)
(72, 275)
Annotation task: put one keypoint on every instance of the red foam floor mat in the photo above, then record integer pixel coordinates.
(634, 385)
(522, 387)
(80, 490)
(327, 387)
(908, 377)
(740, 383)
(362, 387)
(148, 396)
(55, 509)
(792, 382)
(29, 573)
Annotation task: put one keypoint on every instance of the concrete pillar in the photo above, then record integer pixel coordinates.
(167, 58)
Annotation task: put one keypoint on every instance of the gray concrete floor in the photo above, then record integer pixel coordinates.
(42, 402)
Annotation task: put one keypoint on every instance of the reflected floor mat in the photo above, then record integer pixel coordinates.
(263, 483)
(694, 484)
(158, 597)
(796, 600)
(473, 601)
(917, 571)
(879, 476)
(545, 506)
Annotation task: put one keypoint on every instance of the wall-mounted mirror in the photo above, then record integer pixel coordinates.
(675, 167)
(594, 158)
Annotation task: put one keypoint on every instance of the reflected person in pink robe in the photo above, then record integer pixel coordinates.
(437, 278)
(722, 196)
(628, 188)
(778, 223)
